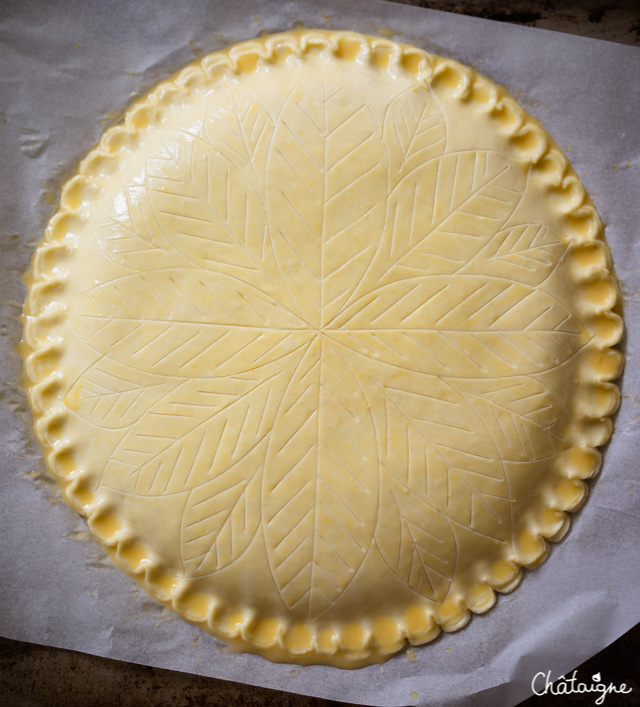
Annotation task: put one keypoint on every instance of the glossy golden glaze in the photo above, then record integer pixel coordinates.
(319, 342)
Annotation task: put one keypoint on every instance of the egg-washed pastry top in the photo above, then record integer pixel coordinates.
(319, 343)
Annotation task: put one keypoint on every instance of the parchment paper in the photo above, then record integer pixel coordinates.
(67, 70)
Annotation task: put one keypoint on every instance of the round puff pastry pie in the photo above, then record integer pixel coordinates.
(319, 343)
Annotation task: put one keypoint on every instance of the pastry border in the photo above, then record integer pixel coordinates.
(352, 645)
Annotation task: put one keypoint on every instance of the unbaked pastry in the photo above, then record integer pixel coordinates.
(319, 343)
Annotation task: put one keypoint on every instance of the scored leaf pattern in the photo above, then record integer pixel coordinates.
(240, 130)
(322, 496)
(115, 397)
(526, 253)
(223, 515)
(414, 132)
(327, 184)
(528, 419)
(417, 542)
(328, 331)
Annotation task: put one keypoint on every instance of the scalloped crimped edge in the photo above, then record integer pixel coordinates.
(352, 645)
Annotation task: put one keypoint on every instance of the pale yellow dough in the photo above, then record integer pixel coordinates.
(319, 342)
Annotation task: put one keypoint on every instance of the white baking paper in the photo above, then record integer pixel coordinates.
(69, 69)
